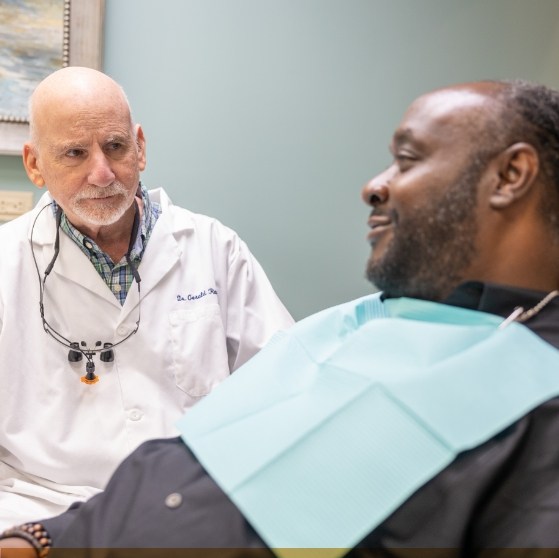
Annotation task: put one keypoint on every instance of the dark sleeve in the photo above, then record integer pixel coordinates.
(503, 494)
(58, 524)
(159, 497)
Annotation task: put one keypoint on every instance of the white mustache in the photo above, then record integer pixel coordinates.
(95, 193)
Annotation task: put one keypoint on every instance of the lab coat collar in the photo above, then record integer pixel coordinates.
(162, 252)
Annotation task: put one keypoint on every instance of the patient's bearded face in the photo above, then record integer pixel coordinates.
(424, 230)
(431, 244)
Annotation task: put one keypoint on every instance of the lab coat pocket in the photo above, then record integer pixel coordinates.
(199, 344)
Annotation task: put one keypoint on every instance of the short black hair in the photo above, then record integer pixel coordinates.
(529, 112)
(532, 110)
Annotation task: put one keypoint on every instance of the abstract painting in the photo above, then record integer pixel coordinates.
(33, 34)
(38, 37)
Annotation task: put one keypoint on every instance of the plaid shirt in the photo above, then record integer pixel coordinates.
(118, 277)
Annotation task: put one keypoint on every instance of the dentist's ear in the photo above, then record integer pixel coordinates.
(517, 168)
(141, 143)
(31, 165)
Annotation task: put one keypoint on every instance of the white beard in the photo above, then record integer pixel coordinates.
(102, 213)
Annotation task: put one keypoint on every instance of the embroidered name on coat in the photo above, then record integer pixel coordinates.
(201, 294)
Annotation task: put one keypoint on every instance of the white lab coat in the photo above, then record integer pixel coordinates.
(206, 307)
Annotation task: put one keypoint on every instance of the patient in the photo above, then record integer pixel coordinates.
(430, 413)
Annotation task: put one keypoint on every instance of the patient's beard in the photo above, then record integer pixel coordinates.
(433, 246)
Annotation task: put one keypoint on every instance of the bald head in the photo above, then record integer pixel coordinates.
(82, 89)
(85, 149)
(471, 111)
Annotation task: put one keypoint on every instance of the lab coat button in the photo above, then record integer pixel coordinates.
(174, 500)
(122, 330)
(134, 414)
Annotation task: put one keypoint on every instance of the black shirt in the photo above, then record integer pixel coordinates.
(502, 494)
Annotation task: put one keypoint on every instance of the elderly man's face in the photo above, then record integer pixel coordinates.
(423, 223)
(89, 156)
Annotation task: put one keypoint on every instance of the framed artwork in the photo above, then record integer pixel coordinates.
(38, 37)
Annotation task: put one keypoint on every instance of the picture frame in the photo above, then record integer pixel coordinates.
(82, 46)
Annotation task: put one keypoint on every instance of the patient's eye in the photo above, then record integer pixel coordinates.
(405, 160)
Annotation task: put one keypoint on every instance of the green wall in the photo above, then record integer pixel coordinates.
(271, 114)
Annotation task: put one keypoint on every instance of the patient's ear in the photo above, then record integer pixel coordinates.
(517, 168)
(30, 162)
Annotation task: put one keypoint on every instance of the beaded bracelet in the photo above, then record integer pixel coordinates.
(34, 533)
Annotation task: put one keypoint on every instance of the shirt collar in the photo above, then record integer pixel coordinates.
(502, 300)
(493, 298)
